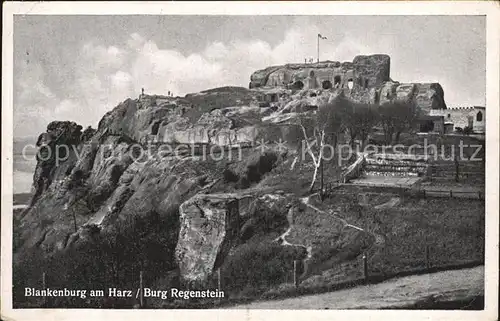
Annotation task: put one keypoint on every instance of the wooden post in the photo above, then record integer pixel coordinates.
(295, 274)
(219, 280)
(427, 257)
(424, 193)
(365, 268)
(322, 181)
(44, 287)
(318, 47)
(141, 289)
(451, 193)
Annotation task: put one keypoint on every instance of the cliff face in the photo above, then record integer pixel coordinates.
(110, 175)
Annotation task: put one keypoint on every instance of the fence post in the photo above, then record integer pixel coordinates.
(424, 193)
(295, 274)
(44, 287)
(141, 289)
(322, 181)
(451, 193)
(219, 280)
(365, 268)
(427, 257)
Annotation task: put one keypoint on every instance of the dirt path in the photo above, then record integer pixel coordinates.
(442, 287)
(283, 240)
(379, 239)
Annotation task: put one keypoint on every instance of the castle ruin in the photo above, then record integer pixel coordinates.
(367, 79)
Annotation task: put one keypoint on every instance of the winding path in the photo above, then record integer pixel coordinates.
(379, 239)
(282, 239)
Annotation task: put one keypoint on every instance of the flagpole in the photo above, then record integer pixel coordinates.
(318, 48)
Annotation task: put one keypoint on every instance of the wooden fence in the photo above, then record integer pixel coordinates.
(332, 188)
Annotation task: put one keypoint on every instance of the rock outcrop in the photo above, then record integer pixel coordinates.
(366, 79)
(55, 146)
(212, 128)
(362, 72)
(210, 226)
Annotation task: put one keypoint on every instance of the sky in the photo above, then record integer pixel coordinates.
(79, 67)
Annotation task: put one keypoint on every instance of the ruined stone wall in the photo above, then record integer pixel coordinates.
(364, 72)
(463, 117)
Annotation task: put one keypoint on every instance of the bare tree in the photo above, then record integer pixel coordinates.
(359, 120)
(397, 117)
(321, 128)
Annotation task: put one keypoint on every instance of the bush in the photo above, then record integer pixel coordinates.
(113, 259)
(468, 130)
(255, 267)
(264, 220)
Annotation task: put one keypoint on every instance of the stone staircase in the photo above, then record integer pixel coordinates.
(391, 170)
(400, 165)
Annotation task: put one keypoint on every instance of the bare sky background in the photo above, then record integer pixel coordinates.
(79, 67)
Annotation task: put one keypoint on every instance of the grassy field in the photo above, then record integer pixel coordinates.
(452, 228)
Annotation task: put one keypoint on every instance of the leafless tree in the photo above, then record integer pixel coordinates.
(359, 120)
(320, 128)
(396, 117)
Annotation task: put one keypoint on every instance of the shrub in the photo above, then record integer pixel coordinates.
(113, 259)
(468, 130)
(255, 267)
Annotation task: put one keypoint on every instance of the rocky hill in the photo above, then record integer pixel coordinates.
(208, 212)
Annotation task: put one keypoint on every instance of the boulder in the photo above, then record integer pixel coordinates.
(209, 228)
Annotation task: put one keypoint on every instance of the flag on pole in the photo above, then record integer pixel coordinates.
(320, 36)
